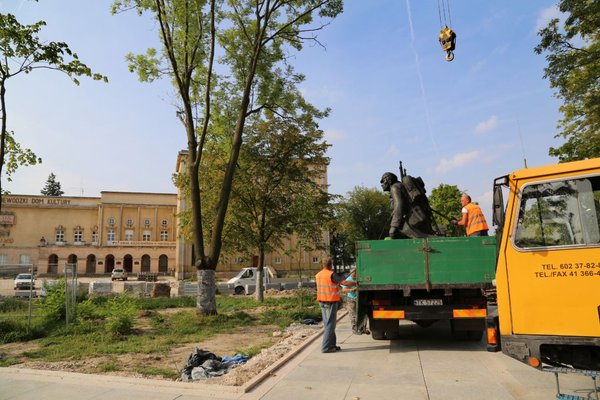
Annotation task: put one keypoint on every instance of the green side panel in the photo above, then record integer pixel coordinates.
(462, 259)
(408, 261)
(391, 261)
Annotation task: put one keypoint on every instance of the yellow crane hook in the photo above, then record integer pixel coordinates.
(448, 41)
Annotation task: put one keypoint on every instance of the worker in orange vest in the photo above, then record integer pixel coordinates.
(472, 218)
(328, 296)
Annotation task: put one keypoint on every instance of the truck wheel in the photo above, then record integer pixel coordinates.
(391, 335)
(377, 335)
(239, 290)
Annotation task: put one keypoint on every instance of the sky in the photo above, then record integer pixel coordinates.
(381, 70)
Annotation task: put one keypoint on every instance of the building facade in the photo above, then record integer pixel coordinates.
(135, 231)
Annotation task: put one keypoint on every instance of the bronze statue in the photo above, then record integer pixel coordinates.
(408, 220)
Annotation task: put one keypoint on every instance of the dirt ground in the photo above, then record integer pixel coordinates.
(276, 343)
(221, 345)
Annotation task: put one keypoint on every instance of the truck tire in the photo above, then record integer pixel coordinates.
(239, 290)
(392, 335)
(377, 335)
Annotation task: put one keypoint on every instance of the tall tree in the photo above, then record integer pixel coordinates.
(52, 187)
(277, 192)
(445, 199)
(573, 55)
(255, 37)
(23, 52)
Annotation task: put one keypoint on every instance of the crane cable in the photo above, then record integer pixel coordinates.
(447, 19)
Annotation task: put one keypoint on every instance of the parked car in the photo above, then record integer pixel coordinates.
(24, 282)
(118, 273)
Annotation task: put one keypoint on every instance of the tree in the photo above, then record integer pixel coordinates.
(254, 38)
(573, 57)
(364, 214)
(23, 52)
(277, 193)
(445, 199)
(52, 187)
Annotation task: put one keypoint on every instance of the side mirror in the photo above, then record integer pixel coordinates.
(498, 204)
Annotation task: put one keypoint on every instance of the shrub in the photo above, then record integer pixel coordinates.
(53, 306)
(120, 314)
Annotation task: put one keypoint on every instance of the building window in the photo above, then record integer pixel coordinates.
(315, 260)
(129, 222)
(60, 234)
(3, 259)
(94, 237)
(24, 259)
(164, 222)
(111, 221)
(129, 234)
(146, 236)
(110, 235)
(238, 260)
(78, 235)
(147, 222)
(277, 260)
(164, 236)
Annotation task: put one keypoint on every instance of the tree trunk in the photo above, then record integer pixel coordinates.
(3, 134)
(206, 303)
(260, 287)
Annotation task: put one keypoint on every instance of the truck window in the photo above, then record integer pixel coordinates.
(559, 213)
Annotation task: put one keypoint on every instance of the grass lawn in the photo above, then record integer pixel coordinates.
(147, 336)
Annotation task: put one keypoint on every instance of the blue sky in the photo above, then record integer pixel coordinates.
(383, 74)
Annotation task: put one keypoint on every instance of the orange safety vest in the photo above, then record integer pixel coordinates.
(475, 219)
(327, 290)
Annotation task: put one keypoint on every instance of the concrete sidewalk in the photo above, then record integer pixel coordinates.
(423, 364)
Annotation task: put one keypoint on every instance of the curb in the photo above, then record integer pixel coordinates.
(258, 379)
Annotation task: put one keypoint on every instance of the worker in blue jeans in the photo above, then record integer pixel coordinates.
(328, 296)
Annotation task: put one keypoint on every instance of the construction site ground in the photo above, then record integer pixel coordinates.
(422, 364)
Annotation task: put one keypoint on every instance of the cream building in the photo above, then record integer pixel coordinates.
(135, 231)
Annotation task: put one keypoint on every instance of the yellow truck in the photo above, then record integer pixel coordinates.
(548, 267)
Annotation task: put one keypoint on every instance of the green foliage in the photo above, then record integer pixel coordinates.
(250, 351)
(253, 40)
(10, 304)
(445, 199)
(16, 156)
(53, 305)
(23, 52)
(97, 332)
(277, 191)
(159, 303)
(573, 56)
(52, 187)
(109, 366)
(89, 311)
(364, 214)
(120, 313)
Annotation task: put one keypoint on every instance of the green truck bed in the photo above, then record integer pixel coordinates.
(440, 262)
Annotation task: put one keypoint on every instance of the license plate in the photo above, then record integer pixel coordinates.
(428, 302)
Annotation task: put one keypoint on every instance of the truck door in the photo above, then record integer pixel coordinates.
(553, 258)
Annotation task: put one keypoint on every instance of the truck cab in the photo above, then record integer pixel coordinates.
(548, 268)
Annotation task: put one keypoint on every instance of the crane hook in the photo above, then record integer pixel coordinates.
(448, 41)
